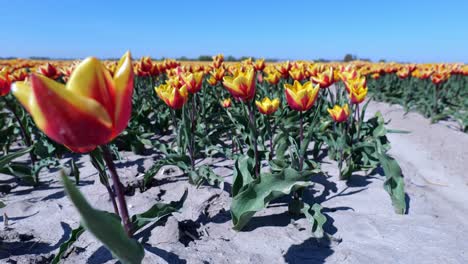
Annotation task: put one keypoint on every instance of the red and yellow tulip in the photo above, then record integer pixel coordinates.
(242, 85)
(357, 90)
(226, 103)
(267, 106)
(174, 97)
(49, 70)
(90, 110)
(193, 81)
(339, 114)
(301, 97)
(259, 65)
(4, 83)
(325, 78)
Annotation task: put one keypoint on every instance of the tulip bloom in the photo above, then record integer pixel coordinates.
(267, 106)
(90, 110)
(357, 90)
(193, 81)
(403, 72)
(4, 83)
(325, 78)
(273, 77)
(339, 114)
(226, 103)
(259, 65)
(174, 97)
(242, 85)
(440, 77)
(49, 70)
(297, 74)
(301, 97)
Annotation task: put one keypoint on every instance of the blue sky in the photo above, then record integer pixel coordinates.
(417, 31)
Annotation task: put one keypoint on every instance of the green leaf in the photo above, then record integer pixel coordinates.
(394, 183)
(205, 173)
(21, 171)
(105, 226)
(242, 175)
(2, 204)
(75, 234)
(157, 212)
(8, 158)
(182, 161)
(316, 218)
(259, 193)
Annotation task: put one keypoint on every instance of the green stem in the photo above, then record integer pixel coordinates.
(105, 182)
(254, 139)
(301, 139)
(118, 190)
(270, 136)
(26, 139)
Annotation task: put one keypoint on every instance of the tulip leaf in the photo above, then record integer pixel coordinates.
(157, 212)
(2, 204)
(316, 218)
(182, 161)
(21, 171)
(205, 174)
(257, 194)
(5, 160)
(105, 226)
(75, 234)
(394, 183)
(242, 175)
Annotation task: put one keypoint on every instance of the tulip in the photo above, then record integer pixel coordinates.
(174, 97)
(297, 74)
(49, 70)
(375, 76)
(422, 73)
(4, 83)
(403, 72)
(440, 77)
(301, 97)
(267, 106)
(212, 81)
(339, 114)
(218, 74)
(226, 103)
(242, 85)
(284, 68)
(90, 110)
(193, 81)
(273, 77)
(325, 78)
(357, 90)
(259, 65)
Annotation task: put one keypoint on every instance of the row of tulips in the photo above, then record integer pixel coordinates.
(275, 121)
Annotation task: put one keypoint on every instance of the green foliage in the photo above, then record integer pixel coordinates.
(157, 212)
(257, 194)
(446, 101)
(105, 226)
(75, 234)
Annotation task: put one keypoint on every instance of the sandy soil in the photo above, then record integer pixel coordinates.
(434, 159)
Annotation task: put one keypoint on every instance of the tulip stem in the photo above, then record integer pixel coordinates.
(301, 139)
(271, 136)
(24, 133)
(118, 190)
(192, 134)
(104, 180)
(254, 139)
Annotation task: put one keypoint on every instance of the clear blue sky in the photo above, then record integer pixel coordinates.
(418, 31)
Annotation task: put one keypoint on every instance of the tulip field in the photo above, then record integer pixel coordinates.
(286, 130)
